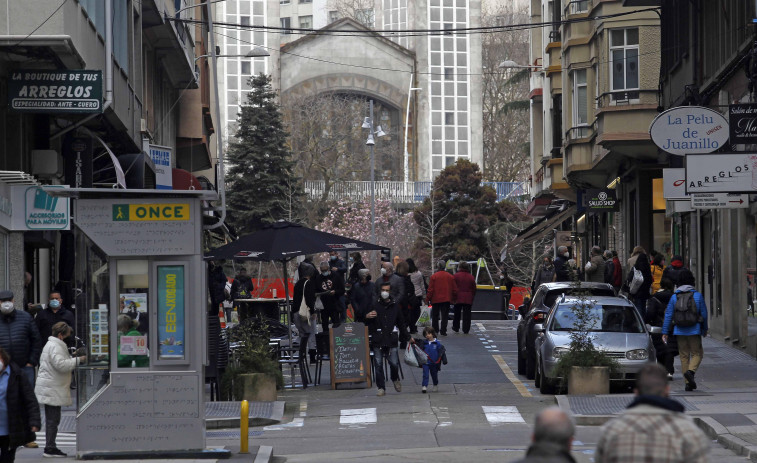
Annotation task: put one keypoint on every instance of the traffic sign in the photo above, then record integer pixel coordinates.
(719, 201)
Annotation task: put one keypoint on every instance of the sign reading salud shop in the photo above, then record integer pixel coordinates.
(689, 130)
(603, 200)
(55, 92)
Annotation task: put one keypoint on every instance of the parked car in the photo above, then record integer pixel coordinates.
(541, 302)
(617, 329)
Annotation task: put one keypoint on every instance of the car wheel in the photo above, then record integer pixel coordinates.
(546, 386)
(530, 365)
(521, 364)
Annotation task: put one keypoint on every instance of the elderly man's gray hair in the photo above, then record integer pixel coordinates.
(441, 265)
(562, 249)
(324, 265)
(608, 254)
(554, 425)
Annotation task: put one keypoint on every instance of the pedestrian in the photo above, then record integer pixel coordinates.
(19, 410)
(216, 284)
(442, 291)
(361, 294)
(687, 320)
(640, 296)
(436, 354)
(635, 254)
(552, 438)
(337, 265)
(506, 286)
(562, 272)
(242, 288)
(382, 321)
(609, 266)
(653, 428)
(419, 284)
(408, 297)
(397, 282)
(595, 268)
(52, 314)
(356, 264)
(544, 274)
(617, 272)
(19, 336)
(53, 388)
(657, 269)
(655, 316)
(127, 326)
(304, 291)
(523, 308)
(466, 291)
(673, 271)
(329, 286)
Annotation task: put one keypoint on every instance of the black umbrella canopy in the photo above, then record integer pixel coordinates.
(284, 240)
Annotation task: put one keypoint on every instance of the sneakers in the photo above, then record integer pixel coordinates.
(54, 453)
(670, 376)
(689, 375)
(381, 392)
(397, 386)
(435, 389)
(423, 389)
(31, 445)
(688, 388)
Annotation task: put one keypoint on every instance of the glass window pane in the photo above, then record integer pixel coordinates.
(436, 103)
(449, 118)
(259, 68)
(436, 148)
(448, 15)
(582, 105)
(462, 149)
(133, 288)
(231, 67)
(462, 102)
(617, 70)
(632, 36)
(449, 74)
(616, 37)
(449, 161)
(449, 147)
(436, 133)
(436, 118)
(462, 59)
(436, 44)
(436, 162)
(632, 68)
(257, 8)
(449, 88)
(436, 88)
(462, 118)
(580, 77)
(449, 103)
(462, 133)
(449, 133)
(436, 59)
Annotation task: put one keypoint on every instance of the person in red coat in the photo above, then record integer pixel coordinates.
(442, 291)
(466, 290)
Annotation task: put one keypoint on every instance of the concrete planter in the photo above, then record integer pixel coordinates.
(589, 380)
(258, 387)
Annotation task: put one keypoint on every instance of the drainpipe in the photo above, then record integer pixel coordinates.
(221, 181)
(108, 77)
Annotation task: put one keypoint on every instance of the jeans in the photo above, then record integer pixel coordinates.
(465, 311)
(432, 368)
(415, 313)
(29, 374)
(641, 305)
(443, 308)
(390, 353)
(7, 454)
(52, 420)
(690, 350)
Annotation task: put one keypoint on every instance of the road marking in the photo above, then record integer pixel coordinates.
(499, 415)
(303, 408)
(509, 374)
(358, 416)
(480, 326)
(63, 439)
(295, 423)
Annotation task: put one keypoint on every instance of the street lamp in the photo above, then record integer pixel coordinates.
(407, 123)
(257, 52)
(368, 124)
(510, 64)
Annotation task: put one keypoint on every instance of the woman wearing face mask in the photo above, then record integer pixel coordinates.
(20, 413)
(53, 388)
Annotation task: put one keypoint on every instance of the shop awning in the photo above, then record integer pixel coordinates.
(540, 228)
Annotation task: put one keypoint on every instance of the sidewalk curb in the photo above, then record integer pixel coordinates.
(720, 433)
(264, 454)
(582, 420)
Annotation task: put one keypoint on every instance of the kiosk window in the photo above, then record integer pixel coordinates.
(132, 321)
(171, 332)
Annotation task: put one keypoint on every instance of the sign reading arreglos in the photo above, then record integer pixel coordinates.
(724, 173)
(55, 92)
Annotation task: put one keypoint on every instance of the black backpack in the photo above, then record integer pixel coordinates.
(685, 312)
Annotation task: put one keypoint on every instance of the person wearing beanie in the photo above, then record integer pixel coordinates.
(673, 271)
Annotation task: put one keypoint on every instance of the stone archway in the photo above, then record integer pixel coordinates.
(367, 86)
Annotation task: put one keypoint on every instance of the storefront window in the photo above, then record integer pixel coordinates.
(661, 225)
(132, 320)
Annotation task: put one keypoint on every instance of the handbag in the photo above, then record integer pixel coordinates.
(636, 281)
(304, 311)
(318, 304)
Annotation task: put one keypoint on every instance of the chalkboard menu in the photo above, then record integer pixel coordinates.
(350, 354)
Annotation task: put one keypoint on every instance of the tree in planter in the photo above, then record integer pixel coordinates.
(251, 355)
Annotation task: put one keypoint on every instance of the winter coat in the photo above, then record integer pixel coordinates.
(617, 273)
(547, 452)
(23, 409)
(657, 272)
(308, 288)
(646, 271)
(242, 287)
(699, 328)
(396, 288)
(361, 298)
(334, 281)
(655, 316)
(217, 286)
(441, 288)
(562, 271)
(381, 328)
(408, 299)
(418, 284)
(673, 273)
(20, 338)
(47, 318)
(53, 386)
(340, 265)
(466, 287)
(609, 271)
(435, 351)
(544, 274)
(356, 267)
(596, 269)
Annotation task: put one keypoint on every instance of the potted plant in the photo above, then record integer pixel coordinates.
(253, 373)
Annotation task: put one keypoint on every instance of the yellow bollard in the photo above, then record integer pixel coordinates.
(243, 428)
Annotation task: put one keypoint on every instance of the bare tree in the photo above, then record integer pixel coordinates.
(505, 98)
(361, 11)
(522, 261)
(429, 218)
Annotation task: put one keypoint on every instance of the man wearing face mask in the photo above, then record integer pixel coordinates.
(19, 336)
(337, 265)
(387, 328)
(562, 271)
(330, 287)
(53, 313)
(396, 282)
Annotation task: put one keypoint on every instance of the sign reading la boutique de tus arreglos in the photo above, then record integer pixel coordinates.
(603, 200)
(743, 123)
(55, 92)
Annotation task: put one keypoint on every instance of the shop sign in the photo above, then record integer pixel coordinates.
(77, 153)
(743, 123)
(150, 212)
(719, 201)
(56, 92)
(162, 157)
(601, 200)
(171, 311)
(674, 184)
(563, 238)
(41, 211)
(724, 173)
(689, 129)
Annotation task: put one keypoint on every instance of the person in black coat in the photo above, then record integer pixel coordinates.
(361, 295)
(216, 285)
(21, 407)
(52, 314)
(19, 335)
(304, 291)
(562, 271)
(330, 287)
(356, 264)
(641, 295)
(655, 316)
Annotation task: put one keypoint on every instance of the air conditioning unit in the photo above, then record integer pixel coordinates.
(46, 163)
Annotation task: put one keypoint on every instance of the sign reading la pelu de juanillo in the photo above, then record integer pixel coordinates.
(689, 129)
(57, 92)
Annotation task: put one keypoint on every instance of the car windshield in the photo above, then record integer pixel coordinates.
(551, 297)
(603, 318)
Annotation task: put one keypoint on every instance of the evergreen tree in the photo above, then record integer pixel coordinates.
(261, 186)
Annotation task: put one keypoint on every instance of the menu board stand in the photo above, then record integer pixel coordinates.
(349, 354)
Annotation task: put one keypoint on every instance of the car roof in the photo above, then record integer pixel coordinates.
(571, 284)
(597, 300)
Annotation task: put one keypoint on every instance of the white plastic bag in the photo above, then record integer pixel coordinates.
(410, 356)
(425, 318)
(636, 282)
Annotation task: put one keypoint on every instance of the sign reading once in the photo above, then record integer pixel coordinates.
(350, 355)
(601, 200)
(724, 173)
(689, 129)
(719, 201)
(743, 123)
(56, 92)
(150, 212)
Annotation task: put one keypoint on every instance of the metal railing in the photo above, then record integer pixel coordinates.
(399, 192)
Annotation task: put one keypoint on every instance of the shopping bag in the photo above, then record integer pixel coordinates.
(304, 311)
(425, 318)
(410, 357)
(420, 355)
(318, 304)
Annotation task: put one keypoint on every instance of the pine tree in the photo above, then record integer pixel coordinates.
(261, 187)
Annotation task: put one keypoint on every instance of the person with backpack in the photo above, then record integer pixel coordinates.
(686, 317)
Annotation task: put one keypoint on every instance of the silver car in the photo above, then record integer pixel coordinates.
(618, 330)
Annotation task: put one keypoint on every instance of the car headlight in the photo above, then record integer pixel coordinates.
(637, 354)
(557, 352)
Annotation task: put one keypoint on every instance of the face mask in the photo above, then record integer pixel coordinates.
(383, 271)
(6, 307)
(325, 273)
(333, 257)
(54, 304)
(352, 260)
(384, 294)
(567, 254)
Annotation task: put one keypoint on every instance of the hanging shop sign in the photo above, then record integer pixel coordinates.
(40, 211)
(603, 200)
(77, 155)
(719, 201)
(743, 123)
(56, 92)
(689, 129)
(674, 184)
(724, 173)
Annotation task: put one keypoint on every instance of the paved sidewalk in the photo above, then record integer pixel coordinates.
(724, 404)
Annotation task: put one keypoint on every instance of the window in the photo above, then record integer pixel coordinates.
(306, 1)
(624, 59)
(579, 6)
(449, 74)
(246, 68)
(365, 17)
(244, 20)
(283, 2)
(333, 16)
(449, 118)
(306, 22)
(286, 23)
(580, 98)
